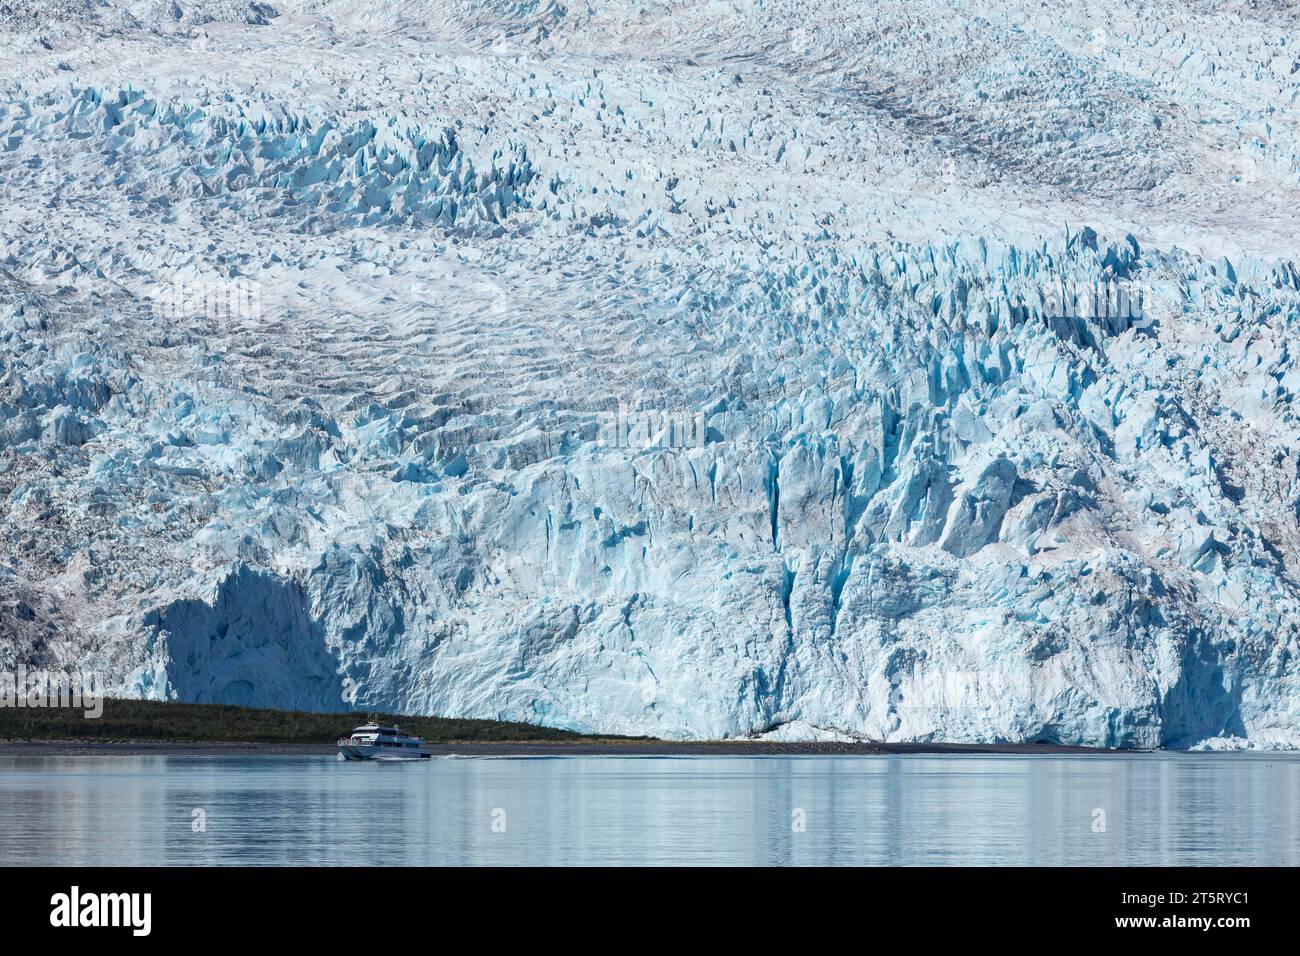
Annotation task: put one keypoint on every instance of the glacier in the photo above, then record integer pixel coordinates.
(917, 372)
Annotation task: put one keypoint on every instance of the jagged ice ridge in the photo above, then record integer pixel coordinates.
(942, 488)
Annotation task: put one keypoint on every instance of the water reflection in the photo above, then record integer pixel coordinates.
(986, 810)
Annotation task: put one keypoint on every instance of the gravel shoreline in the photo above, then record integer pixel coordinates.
(647, 748)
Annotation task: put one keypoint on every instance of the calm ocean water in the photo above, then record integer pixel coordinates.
(1133, 809)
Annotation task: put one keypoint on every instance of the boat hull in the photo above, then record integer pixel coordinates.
(367, 752)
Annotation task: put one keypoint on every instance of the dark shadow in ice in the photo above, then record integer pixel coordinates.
(253, 644)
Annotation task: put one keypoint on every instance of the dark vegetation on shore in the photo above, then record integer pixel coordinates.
(149, 720)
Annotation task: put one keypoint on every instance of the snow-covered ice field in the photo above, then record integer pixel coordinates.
(907, 370)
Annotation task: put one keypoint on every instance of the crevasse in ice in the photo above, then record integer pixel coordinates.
(673, 369)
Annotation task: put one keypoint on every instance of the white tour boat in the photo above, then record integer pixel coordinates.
(376, 742)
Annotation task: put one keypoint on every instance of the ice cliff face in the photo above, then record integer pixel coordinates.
(911, 373)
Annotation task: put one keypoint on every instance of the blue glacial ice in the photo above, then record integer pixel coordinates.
(922, 372)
